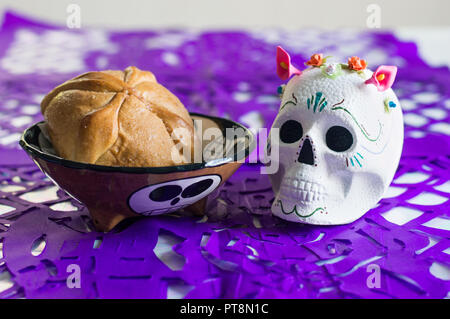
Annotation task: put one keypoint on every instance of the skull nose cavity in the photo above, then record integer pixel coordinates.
(306, 155)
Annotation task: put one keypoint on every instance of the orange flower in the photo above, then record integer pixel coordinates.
(357, 64)
(315, 60)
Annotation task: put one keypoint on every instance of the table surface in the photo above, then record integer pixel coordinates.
(237, 249)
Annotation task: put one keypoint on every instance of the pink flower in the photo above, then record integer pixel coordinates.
(383, 77)
(284, 67)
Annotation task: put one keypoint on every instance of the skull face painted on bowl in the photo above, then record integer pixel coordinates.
(340, 137)
(173, 195)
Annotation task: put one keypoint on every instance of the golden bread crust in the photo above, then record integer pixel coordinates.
(118, 118)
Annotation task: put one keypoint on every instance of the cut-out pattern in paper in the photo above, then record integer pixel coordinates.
(238, 249)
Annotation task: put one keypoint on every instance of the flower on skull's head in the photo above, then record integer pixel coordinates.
(357, 64)
(316, 60)
(383, 77)
(332, 70)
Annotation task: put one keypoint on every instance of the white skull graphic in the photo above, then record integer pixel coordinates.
(340, 141)
(173, 195)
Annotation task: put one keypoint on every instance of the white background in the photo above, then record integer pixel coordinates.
(424, 21)
(292, 14)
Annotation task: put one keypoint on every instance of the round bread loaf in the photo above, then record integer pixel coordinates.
(118, 118)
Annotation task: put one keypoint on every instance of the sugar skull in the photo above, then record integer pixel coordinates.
(339, 132)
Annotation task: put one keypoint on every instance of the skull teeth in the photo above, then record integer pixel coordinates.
(302, 190)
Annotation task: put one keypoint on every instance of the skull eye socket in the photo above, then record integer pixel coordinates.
(291, 131)
(197, 188)
(339, 139)
(163, 193)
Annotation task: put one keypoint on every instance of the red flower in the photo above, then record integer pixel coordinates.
(357, 64)
(315, 60)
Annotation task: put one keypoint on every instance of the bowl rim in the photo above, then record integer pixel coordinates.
(35, 152)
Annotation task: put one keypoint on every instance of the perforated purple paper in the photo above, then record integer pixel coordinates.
(238, 250)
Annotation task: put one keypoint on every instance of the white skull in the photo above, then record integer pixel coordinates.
(339, 146)
(173, 195)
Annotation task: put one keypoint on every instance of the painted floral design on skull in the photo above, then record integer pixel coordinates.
(340, 139)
